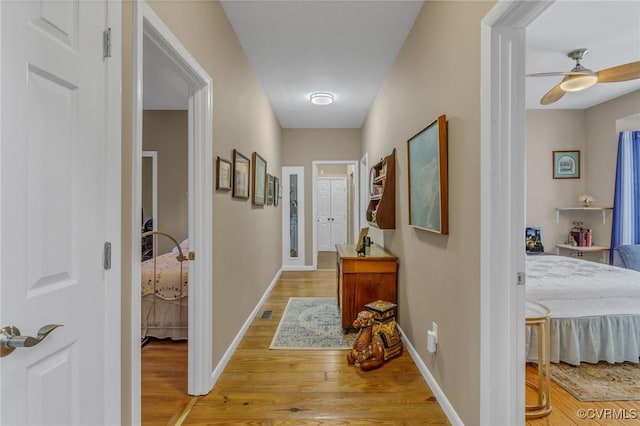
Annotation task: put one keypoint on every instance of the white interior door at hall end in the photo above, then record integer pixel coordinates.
(323, 214)
(331, 212)
(53, 201)
(338, 211)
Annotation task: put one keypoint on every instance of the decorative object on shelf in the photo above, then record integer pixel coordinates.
(259, 182)
(586, 200)
(381, 211)
(241, 175)
(579, 236)
(223, 174)
(428, 178)
(566, 164)
(533, 240)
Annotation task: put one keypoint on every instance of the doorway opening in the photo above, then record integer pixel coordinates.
(336, 221)
(189, 89)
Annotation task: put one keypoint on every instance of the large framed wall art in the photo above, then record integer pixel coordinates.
(428, 178)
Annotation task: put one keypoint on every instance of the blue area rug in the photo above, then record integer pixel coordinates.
(311, 323)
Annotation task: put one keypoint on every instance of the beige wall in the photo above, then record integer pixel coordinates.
(594, 132)
(302, 146)
(246, 239)
(166, 133)
(439, 275)
(548, 131)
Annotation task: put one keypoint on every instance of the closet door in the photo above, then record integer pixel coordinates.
(338, 211)
(323, 214)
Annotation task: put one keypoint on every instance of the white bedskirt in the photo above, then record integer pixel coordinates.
(595, 310)
(614, 338)
(165, 318)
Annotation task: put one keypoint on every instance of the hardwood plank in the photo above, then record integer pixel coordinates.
(260, 386)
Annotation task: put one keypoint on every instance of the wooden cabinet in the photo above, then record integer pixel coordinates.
(362, 280)
(381, 211)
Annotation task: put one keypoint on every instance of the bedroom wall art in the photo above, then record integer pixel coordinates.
(241, 175)
(566, 164)
(259, 182)
(428, 178)
(223, 174)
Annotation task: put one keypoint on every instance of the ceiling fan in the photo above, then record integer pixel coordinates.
(580, 78)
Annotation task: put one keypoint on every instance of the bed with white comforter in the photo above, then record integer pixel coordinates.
(595, 309)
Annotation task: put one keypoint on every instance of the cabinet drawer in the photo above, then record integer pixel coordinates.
(376, 266)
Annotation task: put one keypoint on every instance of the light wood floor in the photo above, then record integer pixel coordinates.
(261, 386)
(327, 260)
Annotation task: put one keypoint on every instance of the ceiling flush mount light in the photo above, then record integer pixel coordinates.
(575, 83)
(321, 98)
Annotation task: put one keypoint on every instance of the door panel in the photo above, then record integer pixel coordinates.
(331, 212)
(338, 211)
(53, 222)
(323, 212)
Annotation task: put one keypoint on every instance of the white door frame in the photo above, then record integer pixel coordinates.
(314, 184)
(154, 189)
(364, 191)
(502, 210)
(289, 264)
(200, 217)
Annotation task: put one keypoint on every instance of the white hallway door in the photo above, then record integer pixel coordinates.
(331, 212)
(57, 199)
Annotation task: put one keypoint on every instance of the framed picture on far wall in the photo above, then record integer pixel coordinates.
(241, 175)
(428, 178)
(269, 189)
(223, 174)
(259, 182)
(276, 191)
(566, 164)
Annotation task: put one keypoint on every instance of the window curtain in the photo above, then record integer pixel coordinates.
(625, 228)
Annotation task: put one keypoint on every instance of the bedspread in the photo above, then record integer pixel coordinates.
(171, 277)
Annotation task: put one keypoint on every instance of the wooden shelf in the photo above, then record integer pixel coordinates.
(603, 210)
(381, 211)
(580, 250)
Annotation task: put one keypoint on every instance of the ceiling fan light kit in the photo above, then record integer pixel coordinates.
(581, 78)
(575, 83)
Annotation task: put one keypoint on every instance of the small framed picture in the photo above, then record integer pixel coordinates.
(223, 174)
(269, 189)
(241, 175)
(276, 191)
(259, 182)
(566, 164)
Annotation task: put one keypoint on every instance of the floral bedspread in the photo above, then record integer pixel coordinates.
(171, 277)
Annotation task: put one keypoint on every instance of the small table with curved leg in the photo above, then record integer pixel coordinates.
(538, 316)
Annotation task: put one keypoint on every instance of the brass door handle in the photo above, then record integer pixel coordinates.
(10, 338)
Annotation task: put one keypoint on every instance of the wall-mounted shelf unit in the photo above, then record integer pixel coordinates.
(580, 250)
(381, 211)
(602, 210)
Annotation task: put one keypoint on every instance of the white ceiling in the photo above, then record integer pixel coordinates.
(609, 29)
(348, 47)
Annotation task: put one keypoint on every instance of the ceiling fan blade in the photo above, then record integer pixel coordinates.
(551, 74)
(552, 95)
(624, 72)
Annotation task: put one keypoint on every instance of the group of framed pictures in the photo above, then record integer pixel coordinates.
(242, 173)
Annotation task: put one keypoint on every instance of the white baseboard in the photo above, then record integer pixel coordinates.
(298, 268)
(236, 341)
(433, 384)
